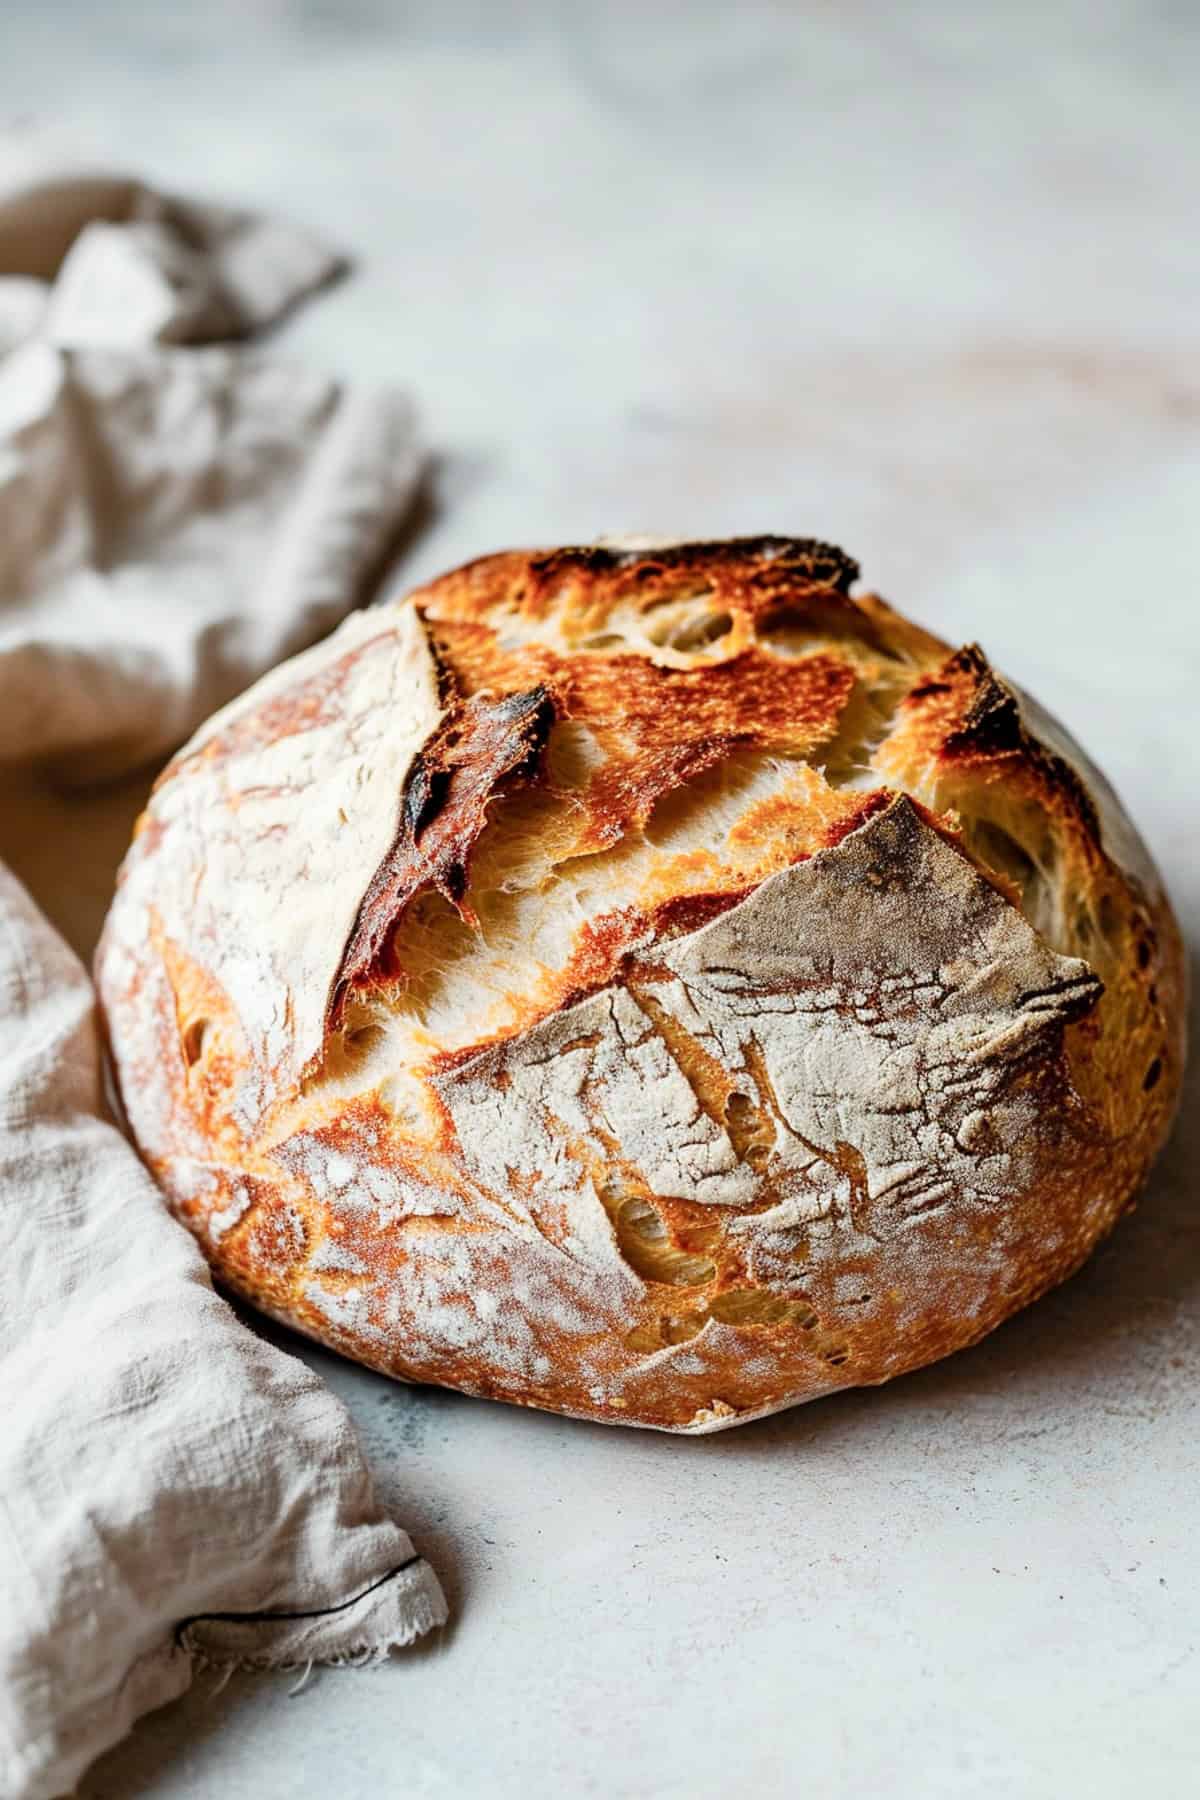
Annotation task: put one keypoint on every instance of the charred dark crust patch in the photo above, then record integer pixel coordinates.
(992, 723)
(447, 685)
(481, 747)
(991, 729)
(808, 560)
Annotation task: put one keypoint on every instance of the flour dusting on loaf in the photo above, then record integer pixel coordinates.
(648, 981)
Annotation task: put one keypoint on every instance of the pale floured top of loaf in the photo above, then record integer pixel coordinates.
(245, 897)
(650, 982)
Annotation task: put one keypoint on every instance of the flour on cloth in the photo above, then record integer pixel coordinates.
(172, 522)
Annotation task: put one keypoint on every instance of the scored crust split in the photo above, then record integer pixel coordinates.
(652, 984)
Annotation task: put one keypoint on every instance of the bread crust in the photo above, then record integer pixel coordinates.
(650, 984)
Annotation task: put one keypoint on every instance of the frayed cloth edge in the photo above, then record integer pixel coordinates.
(401, 1607)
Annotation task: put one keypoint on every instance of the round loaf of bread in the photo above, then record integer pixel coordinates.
(648, 982)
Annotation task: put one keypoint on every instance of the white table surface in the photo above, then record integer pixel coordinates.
(922, 279)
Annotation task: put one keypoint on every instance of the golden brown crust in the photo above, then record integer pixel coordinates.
(650, 984)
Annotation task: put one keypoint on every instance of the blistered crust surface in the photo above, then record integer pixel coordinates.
(648, 983)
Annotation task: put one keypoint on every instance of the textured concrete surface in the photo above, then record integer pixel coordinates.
(921, 279)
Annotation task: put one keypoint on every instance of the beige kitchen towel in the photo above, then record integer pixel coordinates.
(172, 523)
(92, 255)
(172, 1488)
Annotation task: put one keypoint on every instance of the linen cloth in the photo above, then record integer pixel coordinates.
(95, 255)
(172, 1488)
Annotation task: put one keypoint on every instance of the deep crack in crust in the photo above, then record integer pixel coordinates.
(443, 810)
(649, 983)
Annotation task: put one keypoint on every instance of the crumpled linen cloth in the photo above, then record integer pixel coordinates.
(172, 523)
(172, 1488)
(96, 256)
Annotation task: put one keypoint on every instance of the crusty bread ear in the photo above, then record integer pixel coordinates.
(646, 982)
